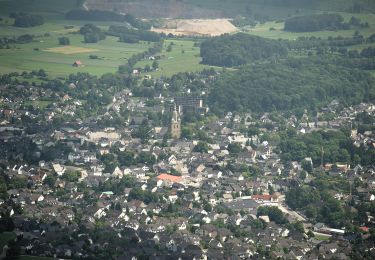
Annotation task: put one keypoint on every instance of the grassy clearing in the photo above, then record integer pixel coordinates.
(5, 238)
(322, 237)
(184, 57)
(41, 104)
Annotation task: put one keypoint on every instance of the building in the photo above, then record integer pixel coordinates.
(190, 104)
(176, 124)
(77, 63)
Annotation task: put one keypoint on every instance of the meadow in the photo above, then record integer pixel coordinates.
(183, 57)
(275, 30)
(46, 53)
(41, 53)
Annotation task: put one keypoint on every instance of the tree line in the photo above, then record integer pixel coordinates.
(27, 20)
(132, 36)
(239, 49)
(315, 22)
(288, 85)
(92, 33)
(99, 15)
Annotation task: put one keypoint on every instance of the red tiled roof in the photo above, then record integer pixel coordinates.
(364, 229)
(170, 178)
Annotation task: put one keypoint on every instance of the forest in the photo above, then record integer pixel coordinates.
(133, 36)
(239, 49)
(290, 84)
(316, 22)
(337, 148)
(27, 20)
(99, 15)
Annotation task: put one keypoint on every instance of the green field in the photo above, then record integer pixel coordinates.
(33, 56)
(184, 57)
(112, 53)
(263, 30)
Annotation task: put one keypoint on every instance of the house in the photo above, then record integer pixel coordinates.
(169, 178)
(265, 198)
(77, 63)
(59, 170)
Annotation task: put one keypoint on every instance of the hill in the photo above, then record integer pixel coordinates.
(272, 9)
(289, 85)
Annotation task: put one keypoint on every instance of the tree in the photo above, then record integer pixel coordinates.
(234, 148)
(50, 180)
(201, 147)
(64, 41)
(155, 65)
(307, 166)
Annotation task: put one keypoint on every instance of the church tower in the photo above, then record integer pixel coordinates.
(176, 124)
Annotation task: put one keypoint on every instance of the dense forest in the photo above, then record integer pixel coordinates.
(133, 36)
(27, 20)
(316, 22)
(288, 85)
(98, 15)
(91, 33)
(239, 49)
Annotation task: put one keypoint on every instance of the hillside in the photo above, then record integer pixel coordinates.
(289, 85)
(271, 9)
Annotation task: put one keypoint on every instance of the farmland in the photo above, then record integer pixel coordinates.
(46, 53)
(274, 30)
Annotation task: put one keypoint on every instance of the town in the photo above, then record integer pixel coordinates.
(172, 179)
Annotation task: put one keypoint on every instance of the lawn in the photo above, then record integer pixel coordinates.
(5, 237)
(41, 104)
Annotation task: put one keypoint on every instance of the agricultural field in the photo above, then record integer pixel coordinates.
(46, 53)
(275, 30)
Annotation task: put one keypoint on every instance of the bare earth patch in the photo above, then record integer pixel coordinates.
(70, 50)
(205, 27)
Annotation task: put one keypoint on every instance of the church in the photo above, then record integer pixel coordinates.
(175, 124)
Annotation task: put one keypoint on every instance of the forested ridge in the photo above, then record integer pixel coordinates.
(239, 49)
(290, 84)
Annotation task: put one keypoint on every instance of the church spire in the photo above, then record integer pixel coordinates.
(175, 124)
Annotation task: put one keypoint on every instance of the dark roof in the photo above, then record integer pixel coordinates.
(242, 204)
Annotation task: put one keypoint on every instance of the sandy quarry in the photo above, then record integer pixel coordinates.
(206, 27)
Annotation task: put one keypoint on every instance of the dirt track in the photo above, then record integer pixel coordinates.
(207, 27)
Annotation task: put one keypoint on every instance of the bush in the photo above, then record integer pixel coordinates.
(64, 41)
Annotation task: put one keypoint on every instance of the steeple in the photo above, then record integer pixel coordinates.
(175, 124)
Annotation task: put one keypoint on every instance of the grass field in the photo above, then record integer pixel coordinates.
(45, 53)
(184, 57)
(263, 30)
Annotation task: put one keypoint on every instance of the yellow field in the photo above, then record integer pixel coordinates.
(70, 50)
